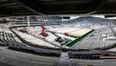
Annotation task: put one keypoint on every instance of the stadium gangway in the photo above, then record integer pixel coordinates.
(64, 60)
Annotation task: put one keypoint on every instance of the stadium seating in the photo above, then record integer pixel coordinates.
(4, 38)
(33, 50)
(85, 54)
(7, 39)
(47, 20)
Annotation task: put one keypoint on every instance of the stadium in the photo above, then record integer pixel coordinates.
(57, 33)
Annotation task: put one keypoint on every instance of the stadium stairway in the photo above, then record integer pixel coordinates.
(64, 60)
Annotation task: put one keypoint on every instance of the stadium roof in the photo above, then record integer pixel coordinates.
(56, 7)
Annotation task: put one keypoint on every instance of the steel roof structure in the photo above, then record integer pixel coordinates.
(56, 7)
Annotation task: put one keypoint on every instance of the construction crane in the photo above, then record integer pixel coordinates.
(43, 33)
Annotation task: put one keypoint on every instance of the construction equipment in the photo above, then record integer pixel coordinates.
(43, 33)
(60, 39)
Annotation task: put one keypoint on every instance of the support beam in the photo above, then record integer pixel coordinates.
(31, 5)
(65, 2)
(3, 0)
(96, 5)
(28, 21)
(8, 4)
